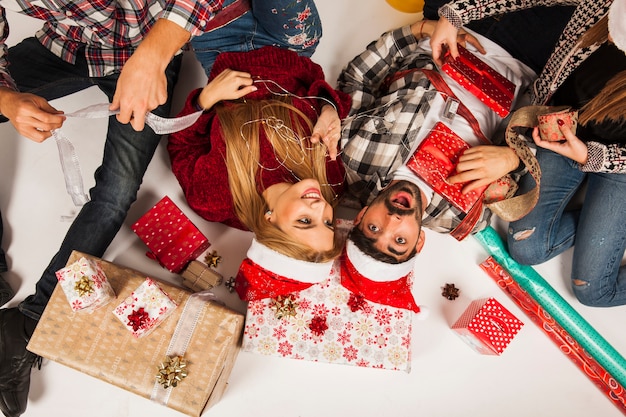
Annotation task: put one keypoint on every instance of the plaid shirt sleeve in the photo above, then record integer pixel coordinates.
(384, 120)
(5, 78)
(191, 15)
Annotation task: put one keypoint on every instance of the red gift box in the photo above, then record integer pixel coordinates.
(435, 160)
(487, 326)
(473, 74)
(172, 238)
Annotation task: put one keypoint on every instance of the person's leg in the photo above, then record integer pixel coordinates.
(289, 24)
(548, 229)
(597, 277)
(6, 292)
(127, 154)
(38, 71)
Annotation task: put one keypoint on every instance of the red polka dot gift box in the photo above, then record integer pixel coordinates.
(487, 327)
(477, 77)
(174, 241)
(435, 160)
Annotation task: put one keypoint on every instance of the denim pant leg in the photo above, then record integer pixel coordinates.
(127, 154)
(548, 229)
(597, 277)
(3, 261)
(290, 24)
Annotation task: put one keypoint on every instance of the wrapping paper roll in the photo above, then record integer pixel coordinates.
(553, 304)
(570, 348)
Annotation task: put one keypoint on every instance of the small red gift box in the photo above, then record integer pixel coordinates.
(435, 160)
(487, 326)
(473, 74)
(172, 238)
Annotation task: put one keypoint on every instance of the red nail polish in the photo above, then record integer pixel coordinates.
(560, 122)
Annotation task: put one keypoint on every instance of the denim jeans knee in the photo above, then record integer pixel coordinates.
(289, 24)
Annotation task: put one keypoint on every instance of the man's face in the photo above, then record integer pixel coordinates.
(393, 221)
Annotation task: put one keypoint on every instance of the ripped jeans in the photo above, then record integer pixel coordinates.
(598, 229)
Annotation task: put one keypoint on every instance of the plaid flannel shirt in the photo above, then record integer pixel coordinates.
(109, 30)
(385, 119)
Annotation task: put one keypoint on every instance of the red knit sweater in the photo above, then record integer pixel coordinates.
(198, 153)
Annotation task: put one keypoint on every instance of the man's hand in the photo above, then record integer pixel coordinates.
(446, 37)
(142, 85)
(328, 130)
(482, 165)
(32, 116)
(572, 147)
(228, 85)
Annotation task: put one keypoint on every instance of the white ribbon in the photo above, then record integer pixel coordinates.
(182, 336)
(69, 159)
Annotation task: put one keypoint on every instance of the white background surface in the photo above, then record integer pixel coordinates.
(449, 379)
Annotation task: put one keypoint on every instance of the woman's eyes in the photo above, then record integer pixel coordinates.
(373, 228)
(400, 240)
(304, 220)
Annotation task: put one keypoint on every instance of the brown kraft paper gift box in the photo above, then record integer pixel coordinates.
(99, 345)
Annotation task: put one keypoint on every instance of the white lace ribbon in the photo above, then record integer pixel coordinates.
(182, 336)
(69, 159)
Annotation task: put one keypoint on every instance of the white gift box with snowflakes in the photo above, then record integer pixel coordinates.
(85, 285)
(145, 308)
(328, 323)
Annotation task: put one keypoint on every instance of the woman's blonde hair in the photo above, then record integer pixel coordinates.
(287, 130)
(608, 104)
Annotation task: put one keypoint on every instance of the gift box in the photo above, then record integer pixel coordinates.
(145, 308)
(172, 238)
(487, 327)
(199, 277)
(328, 323)
(85, 285)
(477, 77)
(435, 160)
(204, 334)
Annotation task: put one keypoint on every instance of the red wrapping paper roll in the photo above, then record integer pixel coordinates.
(566, 344)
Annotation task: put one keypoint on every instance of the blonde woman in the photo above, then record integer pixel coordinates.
(263, 155)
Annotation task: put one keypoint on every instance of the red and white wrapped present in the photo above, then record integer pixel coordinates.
(477, 77)
(172, 238)
(487, 327)
(85, 285)
(145, 308)
(435, 160)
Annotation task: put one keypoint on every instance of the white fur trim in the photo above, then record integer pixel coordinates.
(376, 270)
(303, 271)
(617, 23)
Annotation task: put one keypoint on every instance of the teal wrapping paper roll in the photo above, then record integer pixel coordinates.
(568, 318)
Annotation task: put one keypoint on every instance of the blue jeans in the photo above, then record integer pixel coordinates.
(127, 154)
(290, 24)
(597, 229)
(3, 261)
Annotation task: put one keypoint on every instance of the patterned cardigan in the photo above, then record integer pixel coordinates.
(565, 58)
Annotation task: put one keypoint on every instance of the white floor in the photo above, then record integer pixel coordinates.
(448, 379)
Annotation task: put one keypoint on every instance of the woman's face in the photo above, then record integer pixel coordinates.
(300, 211)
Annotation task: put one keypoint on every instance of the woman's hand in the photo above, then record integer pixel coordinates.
(572, 147)
(446, 37)
(482, 165)
(327, 129)
(228, 85)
